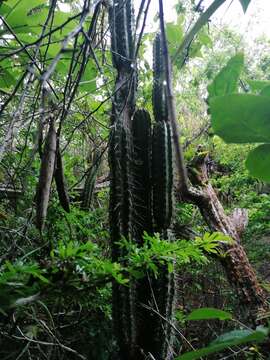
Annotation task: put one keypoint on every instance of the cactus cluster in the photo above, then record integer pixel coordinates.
(140, 158)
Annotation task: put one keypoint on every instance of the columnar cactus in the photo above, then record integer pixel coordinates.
(160, 106)
(142, 197)
(140, 193)
(162, 176)
(89, 186)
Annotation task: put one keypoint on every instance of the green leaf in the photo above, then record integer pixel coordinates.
(233, 338)
(20, 11)
(88, 81)
(195, 49)
(258, 85)
(52, 49)
(204, 38)
(174, 34)
(227, 79)
(8, 75)
(241, 118)
(245, 4)
(265, 91)
(209, 313)
(258, 162)
(4, 9)
(36, 21)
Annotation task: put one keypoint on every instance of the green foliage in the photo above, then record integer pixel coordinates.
(175, 34)
(77, 265)
(156, 252)
(226, 82)
(225, 341)
(58, 287)
(258, 162)
(209, 313)
(257, 85)
(241, 118)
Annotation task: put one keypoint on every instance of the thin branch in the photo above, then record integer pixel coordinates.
(142, 29)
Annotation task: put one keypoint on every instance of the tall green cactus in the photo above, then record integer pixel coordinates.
(120, 226)
(140, 193)
(162, 176)
(141, 190)
(162, 185)
(120, 154)
(90, 181)
(160, 106)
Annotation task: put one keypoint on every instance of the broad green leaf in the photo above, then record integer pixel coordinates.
(20, 11)
(245, 4)
(27, 38)
(227, 79)
(63, 66)
(204, 38)
(265, 91)
(8, 74)
(36, 21)
(241, 118)
(6, 80)
(258, 85)
(209, 313)
(52, 50)
(233, 338)
(195, 49)
(88, 81)
(258, 162)
(4, 9)
(174, 34)
(233, 335)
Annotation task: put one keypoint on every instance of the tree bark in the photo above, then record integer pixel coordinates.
(240, 272)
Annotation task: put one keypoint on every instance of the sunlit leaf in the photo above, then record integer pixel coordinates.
(265, 91)
(241, 118)
(258, 85)
(209, 313)
(258, 162)
(17, 17)
(233, 338)
(88, 81)
(226, 81)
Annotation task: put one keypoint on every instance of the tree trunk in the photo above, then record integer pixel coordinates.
(240, 273)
